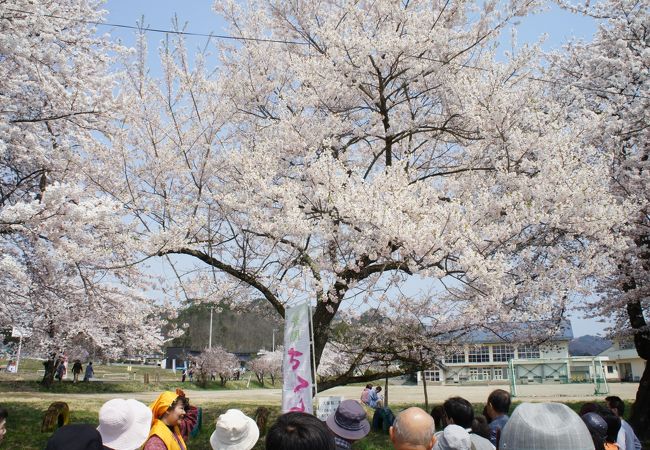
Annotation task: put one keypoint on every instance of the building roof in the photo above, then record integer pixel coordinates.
(495, 333)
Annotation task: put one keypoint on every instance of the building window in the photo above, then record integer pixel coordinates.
(610, 369)
(432, 375)
(498, 373)
(626, 344)
(502, 353)
(528, 352)
(455, 358)
(474, 374)
(479, 354)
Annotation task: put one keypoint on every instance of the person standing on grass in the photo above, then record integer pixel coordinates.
(173, 419)
(90, 372)
(626, 438)
(76, 370)
(496, 410)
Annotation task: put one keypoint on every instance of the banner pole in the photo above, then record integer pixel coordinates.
(313, 352)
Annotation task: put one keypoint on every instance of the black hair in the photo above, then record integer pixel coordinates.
(480, 426)
(589, 407)
(438, 414)
(378, 389)
(614, 401)
(500, 401)
(180, 400)
(460, 411)
(299, 431)
(613, 426)
(368, 386)
(3, 413)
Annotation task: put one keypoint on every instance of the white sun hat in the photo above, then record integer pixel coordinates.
(545, 426)
(124, 424)
(234, 431)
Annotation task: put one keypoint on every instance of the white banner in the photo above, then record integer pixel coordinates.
(296, 389)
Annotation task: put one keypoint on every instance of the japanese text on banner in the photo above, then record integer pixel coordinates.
(296, 389)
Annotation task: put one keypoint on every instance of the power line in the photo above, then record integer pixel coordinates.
(160, 30)
(542, 80)
(281, 41)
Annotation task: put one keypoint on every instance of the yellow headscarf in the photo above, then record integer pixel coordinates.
(163, 403)
(159, 407)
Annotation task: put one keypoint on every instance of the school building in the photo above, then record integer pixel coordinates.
(504, 356)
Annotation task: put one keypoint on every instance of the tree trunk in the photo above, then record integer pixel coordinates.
(640, 418)
(50, 367)
(426, 394)
(386, 388)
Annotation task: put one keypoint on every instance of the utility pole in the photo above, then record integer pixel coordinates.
(210, 341)
(273, 346)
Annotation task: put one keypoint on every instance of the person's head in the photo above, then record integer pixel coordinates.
(480, 426)
(589, 407)
(597, 428)
(378, 389)
(498, 403)
(438, 414)
(349, 421)
(413, 429)
(458, 411)
(299, 431)
(616, 405)
(75, 437)
(170, 407)
(613, 427)
(545, 426)
(368, 386)
(453, 437)
(3, 423)
(234, 431)
(124, 424)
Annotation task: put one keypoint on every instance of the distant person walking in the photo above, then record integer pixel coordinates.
(90, 372)
(76, 370)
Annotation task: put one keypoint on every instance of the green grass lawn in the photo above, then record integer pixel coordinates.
(115, 379)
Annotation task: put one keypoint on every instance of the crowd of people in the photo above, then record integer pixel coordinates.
(169, 421)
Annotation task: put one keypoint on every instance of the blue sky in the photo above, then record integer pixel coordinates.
(556, 25)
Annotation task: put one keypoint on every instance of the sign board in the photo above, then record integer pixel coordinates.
(296, 367)
(327, 406)
(19, 332)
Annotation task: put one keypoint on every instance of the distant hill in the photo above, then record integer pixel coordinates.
(588, 345)
(243, 332)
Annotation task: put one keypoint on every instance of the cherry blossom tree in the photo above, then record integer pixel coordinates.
(65, 247)
(269, 364)
(366, 156)
(217, 360)
(612, 73)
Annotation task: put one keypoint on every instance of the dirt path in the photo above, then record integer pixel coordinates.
(396, 394)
